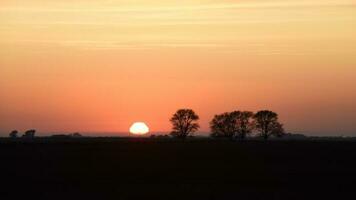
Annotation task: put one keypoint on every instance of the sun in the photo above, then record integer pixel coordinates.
(139, 128)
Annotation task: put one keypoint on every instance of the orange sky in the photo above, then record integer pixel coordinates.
(98, 66)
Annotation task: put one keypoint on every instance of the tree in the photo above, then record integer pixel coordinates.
(223, 125)
(231, 125)
(13, 134)
(243, 123)
(267, 124)
(29, 134)
(278, 130)
(184, 123)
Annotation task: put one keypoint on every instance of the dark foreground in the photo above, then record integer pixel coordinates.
(169, 169)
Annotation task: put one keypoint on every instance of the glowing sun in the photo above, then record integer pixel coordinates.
(139, 128)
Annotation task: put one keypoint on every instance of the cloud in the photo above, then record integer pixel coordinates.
(177, 25)
(117, 8)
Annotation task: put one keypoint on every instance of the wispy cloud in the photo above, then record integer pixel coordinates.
(117, 8)
(177, 25)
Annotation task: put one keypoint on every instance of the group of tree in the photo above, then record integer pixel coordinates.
(233, 125)
(31, 134)
(28, 134)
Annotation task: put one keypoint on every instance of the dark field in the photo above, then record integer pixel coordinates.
(110, 168)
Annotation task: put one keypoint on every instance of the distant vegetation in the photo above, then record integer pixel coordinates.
(72, 135)
(28, 134)
(266, 123)
(232, 125)
(235, 124)
(13, 134)
(184, 123)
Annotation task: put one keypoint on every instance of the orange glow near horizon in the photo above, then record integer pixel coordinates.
(97, 66)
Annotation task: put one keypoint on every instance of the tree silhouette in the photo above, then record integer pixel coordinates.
(184, 123)
(243, 123)
(13, 134)
(267, 124)
(223, 125)
(278, 130)
(235, 124)
(29, 134)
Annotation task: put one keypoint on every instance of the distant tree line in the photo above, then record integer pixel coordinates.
(232, 125)
(31, 134)
(28, 134)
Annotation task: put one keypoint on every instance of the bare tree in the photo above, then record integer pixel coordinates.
(184, 123)
(267, 124)
(223, 125)
(278, 130)
(243, 123)
(13, 134)
(231, 125)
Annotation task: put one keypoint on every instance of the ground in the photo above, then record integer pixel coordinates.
(139, 168)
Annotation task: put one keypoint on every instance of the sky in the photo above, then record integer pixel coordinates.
(98, 66)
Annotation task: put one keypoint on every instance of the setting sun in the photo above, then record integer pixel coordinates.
(139, 128)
